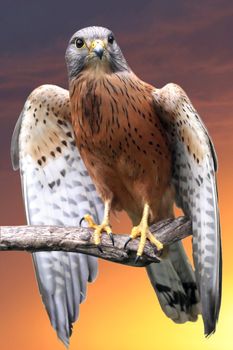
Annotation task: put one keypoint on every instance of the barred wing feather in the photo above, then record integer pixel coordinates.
(194, 166)
(57, 190)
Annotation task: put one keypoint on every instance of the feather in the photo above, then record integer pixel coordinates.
(194, 166)
(57, 190)
(174, 283)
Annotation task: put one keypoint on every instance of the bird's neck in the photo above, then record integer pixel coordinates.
(97, 70)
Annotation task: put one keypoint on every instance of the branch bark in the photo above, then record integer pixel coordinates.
(78, 239)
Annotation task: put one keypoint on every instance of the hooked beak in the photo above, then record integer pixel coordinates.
(98, 46)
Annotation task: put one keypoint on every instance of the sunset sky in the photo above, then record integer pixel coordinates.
(187, 42)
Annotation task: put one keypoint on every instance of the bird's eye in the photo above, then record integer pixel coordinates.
(79, 43)
(111, 39)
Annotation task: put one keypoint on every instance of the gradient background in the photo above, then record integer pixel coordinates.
(187, 42)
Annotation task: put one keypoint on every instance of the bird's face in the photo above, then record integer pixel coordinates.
(94, 48)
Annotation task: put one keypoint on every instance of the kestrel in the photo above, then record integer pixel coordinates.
(142, 149)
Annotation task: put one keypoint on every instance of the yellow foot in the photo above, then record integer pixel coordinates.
(98, 229)
(144, 233)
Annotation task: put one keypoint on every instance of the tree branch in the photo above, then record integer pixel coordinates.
(73, 239)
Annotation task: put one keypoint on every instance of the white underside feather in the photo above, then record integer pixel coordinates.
(58, 193)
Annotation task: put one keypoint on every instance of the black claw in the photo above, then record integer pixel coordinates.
(137, 259)
(126, 243)
(82, 219)
(99, 247)
(111, 237)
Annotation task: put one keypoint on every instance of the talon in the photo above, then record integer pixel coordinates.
(112, 238)
(89, 220)
(126, 243)
(137, 259)
(99, 247)
(80, 222)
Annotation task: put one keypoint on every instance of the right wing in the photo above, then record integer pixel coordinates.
(57, 190)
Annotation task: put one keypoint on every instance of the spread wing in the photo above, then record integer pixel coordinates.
(57, 190)
(194, 167)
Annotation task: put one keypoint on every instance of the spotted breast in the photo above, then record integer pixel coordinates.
(122, 142)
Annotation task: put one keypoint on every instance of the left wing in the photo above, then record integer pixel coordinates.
(57, 190)
(194, 166)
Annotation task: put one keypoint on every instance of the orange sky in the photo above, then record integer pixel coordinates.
(179, 42)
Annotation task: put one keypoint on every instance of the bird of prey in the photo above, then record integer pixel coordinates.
(141, 149)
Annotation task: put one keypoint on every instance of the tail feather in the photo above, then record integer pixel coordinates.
(174, 282)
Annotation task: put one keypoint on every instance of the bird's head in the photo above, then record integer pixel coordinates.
(94, 48)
